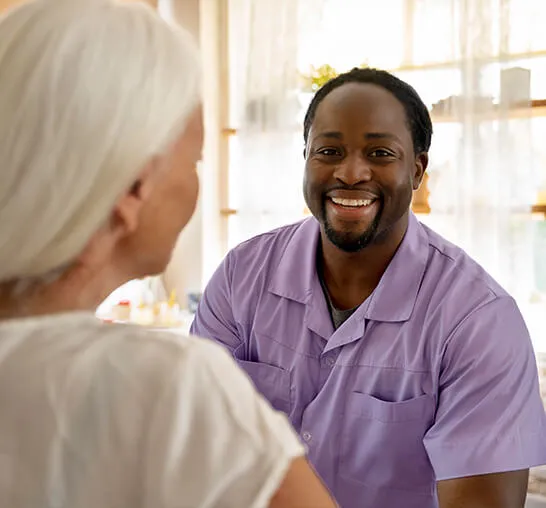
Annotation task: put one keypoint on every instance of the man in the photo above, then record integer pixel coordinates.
(406, 368)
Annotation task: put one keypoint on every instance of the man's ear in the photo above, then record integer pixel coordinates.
(127, 210)
(421, 164)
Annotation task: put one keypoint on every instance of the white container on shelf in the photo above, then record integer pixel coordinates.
(515, 86)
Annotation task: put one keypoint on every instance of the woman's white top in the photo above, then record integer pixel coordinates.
(97, 415)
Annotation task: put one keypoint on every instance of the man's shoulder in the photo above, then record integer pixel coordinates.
(455, 270)
(270, 245)
(458, 299)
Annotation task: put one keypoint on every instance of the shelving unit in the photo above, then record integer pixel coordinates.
(539, 209)
(536, 110)
(513, 113)
(420, 203)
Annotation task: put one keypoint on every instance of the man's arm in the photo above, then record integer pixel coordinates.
(214, 318)
(490, 425)
(499, 490)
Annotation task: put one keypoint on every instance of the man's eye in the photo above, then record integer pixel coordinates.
(381, 153)
(329, 152)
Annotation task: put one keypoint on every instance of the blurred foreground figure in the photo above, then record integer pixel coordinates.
(100, 132)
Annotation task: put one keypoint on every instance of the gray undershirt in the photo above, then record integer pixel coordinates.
(338, 316)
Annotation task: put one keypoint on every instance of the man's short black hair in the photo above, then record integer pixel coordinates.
(417, 113)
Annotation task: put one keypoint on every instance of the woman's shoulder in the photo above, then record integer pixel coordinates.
(182, 395)
(158, 352)
(78, 338)
(173, 347)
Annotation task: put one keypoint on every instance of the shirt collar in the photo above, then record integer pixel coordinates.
(297, 270)
(394, 297)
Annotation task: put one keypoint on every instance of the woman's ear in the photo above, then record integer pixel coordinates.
(421, 164)
(124, 220)
(125, 217)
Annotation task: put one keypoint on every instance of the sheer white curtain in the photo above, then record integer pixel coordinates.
(266, 161)
(488, 155)
(484, 172)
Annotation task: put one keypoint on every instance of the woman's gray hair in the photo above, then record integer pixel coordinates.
(90, 91)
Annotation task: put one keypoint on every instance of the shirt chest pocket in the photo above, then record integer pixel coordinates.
(271, 381)
(382, 443)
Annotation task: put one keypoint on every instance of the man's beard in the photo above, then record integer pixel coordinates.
(348, 241)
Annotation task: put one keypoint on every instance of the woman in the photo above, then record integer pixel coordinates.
(100, 132)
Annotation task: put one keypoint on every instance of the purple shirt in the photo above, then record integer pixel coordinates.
(433, 377)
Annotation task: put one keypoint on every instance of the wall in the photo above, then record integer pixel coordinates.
(185, 270)
(4, 4)
(199, 249)
(8, 3)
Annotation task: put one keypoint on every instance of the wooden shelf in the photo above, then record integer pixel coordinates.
(539, 209)
(515, 113)
(418, 208)
(458, 64)
(228, 131)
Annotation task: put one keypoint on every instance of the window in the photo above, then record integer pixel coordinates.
(488, 167)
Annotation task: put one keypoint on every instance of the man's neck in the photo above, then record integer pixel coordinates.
(351, 277)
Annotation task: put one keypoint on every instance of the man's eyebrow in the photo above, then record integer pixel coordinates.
(380, 135)
(369, 135)
(330, 134)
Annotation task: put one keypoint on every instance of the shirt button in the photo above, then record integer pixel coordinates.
(306, 436)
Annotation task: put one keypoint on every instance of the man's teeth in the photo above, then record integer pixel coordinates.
(352, 202)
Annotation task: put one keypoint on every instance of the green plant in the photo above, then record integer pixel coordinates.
(319, 76)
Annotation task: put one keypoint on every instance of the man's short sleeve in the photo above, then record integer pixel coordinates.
(214, 318)
(213, 440)
(490, 417)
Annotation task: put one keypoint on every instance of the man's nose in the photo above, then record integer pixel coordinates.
(353, 170)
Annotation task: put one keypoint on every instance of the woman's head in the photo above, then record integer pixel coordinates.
(100, 132)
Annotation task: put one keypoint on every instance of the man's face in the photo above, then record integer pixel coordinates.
(361, 168)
